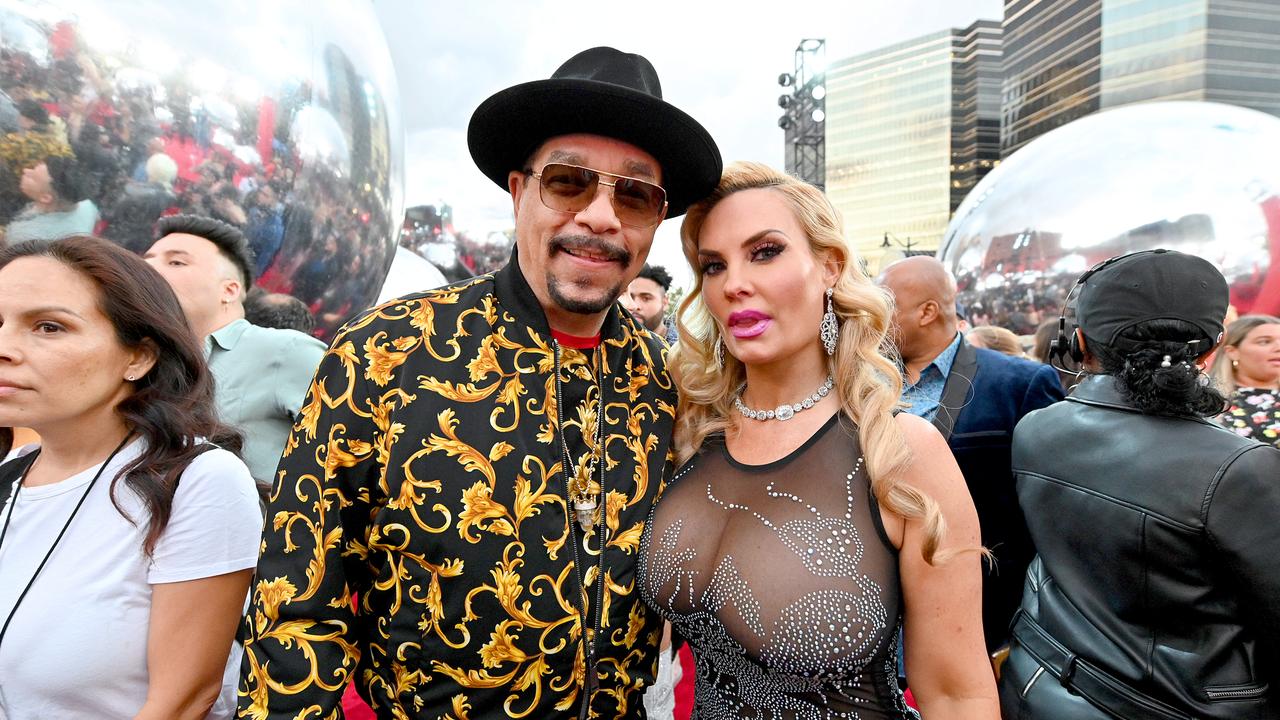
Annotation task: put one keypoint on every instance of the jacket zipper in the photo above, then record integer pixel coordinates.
(1242, 693)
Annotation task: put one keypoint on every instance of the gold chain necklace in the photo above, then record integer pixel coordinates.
(585, 502)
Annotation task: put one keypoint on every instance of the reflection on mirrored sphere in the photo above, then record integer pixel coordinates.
(1201, 178)
(281, 118)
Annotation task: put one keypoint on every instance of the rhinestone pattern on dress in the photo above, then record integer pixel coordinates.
(781, 579)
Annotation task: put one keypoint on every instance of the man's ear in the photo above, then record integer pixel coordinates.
(232, 291)
(516, 184)
(928, 312)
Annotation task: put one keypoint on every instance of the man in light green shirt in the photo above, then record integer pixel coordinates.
(261, 374)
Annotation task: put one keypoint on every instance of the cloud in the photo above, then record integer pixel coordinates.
(438, 168)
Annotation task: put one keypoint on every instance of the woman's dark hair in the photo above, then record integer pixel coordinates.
(172, 405)
(34, 111)
(67, 178)
(1137, 357)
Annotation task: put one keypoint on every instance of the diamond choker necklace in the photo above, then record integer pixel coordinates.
(783, 412)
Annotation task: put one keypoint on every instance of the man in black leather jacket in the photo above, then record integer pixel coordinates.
(1156, 590)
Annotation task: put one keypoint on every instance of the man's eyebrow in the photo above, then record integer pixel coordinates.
(633, 168)
(637, 168)
(163, 253)
(565, 156)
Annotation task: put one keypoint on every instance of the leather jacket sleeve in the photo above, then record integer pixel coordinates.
(1241, 510)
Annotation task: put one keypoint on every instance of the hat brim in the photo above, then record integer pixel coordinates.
(508, 127)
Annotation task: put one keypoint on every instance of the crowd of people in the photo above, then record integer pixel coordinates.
(87, 149)
(520, 494)
(458, 255)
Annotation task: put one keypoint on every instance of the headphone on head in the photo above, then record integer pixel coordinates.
(1067, 345)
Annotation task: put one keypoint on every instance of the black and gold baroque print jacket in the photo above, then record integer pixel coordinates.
(418, 538)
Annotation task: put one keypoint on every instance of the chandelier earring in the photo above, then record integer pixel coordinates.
(829, 329)
(719, 352)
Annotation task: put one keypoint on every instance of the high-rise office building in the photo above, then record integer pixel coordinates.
(1220, 50)
(1064, 60)
(910, 129)
(976, 85)
(1052, 66)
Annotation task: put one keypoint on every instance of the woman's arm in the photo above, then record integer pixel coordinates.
(947, 666)
(189, 640)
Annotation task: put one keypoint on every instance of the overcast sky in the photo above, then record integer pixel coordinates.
(718, 61)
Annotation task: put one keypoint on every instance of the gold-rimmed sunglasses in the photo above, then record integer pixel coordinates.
(571, 188)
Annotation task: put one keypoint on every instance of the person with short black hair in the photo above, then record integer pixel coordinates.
(646, 298)
(23, 148)
(475, 462)
(278, 310)
(262, 374)
(32, 116)
(1155, 591)
(60, 206)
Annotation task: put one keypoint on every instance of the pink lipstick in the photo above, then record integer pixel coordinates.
(748, 323)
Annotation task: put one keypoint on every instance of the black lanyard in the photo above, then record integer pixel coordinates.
(13, 506)
(592, 681)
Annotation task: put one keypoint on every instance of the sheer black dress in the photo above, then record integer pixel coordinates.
(783, 581)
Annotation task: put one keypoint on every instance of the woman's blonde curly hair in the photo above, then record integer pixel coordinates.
(868, 382)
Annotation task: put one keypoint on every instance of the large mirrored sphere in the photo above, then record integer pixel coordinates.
(1202, 178)
(279, 117)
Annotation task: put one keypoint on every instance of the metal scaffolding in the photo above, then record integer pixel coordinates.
(805, 113)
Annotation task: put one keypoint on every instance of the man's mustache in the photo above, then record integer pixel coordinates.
(593, 245)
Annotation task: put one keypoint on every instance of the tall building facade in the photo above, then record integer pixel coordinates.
(976, 87)
(1052, 67)
(1064, 60)
(910, 128)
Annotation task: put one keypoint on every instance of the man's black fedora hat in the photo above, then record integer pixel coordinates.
(605, 92)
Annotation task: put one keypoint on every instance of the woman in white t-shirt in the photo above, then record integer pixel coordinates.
(129, 534)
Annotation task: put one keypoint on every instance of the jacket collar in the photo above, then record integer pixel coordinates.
(516, 297)
(1101, 390)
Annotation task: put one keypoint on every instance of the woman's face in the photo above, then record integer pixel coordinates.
(60, 360)
(1258, 355)
(760, 280)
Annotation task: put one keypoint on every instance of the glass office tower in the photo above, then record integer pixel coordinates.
(910, 128)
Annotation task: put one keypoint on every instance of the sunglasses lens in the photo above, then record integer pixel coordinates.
(569, 188)
(638, 202)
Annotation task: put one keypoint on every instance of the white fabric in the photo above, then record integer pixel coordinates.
(77, 646)
(660, 697)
